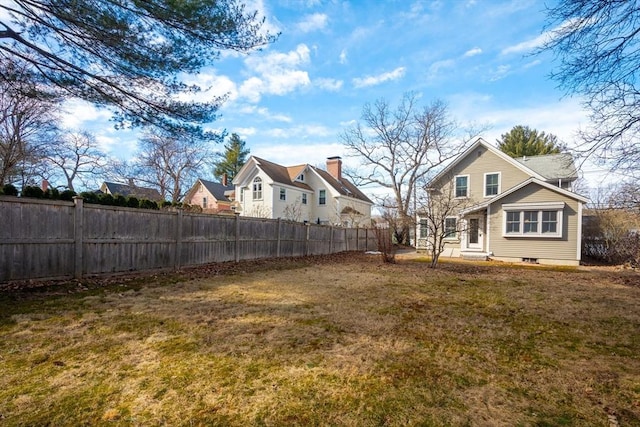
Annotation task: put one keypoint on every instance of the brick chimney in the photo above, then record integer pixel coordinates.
(224, 179)
(334, 167)
(45, 185)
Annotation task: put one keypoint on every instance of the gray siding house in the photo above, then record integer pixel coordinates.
(509, 209)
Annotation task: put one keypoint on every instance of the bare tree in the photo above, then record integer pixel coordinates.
(399, 148)
(27, 124)
(440, 216)
(598, 47)
(293, 211)
(170, 163)
(75, 156)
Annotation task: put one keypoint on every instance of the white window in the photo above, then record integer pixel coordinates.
(304, 198)
(450, 228)
(424, 228)
(533, 219)
(204, 203)
(491, 184)
(242, 194)
(322, 197)
(462, 186)
(301, 177)
(257, 188)
(283, 194)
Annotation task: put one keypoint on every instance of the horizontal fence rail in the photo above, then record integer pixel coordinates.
(44, 239)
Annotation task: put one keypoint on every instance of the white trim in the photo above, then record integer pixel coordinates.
(546, 206)
(579, 234)
(487, 248)
(484, 182)
(455, 186)
(539, 215)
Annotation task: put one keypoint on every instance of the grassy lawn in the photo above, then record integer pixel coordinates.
(348, 342)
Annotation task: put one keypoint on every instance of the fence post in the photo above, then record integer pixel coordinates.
(346, 240)
(237, 238)
(306, 245)
(278, 241)
(358, 239)
(78, 233)
(178, 255)
(331, 239)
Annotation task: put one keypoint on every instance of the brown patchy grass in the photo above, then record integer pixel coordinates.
(341, 340)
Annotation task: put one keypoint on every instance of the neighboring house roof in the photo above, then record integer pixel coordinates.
(551, 166)
(343, 186)
(217, 189)
(287, 175)
(523, 184)
(281, 174)
(115, 188)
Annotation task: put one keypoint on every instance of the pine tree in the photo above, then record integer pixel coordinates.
(232, 160)
(523, 141)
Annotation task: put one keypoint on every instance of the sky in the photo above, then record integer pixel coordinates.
(291, 101)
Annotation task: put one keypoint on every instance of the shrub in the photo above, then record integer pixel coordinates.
(32, 191)
(52, 194)
(148, 204)
(9, 190)
(133, 202)
(165, 204)
(67, 195)
(89, 197)
(105, 199)
(120, 200)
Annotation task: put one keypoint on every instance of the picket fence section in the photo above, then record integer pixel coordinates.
(55, 239)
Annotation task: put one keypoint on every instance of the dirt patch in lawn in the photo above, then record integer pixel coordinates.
(337, 340)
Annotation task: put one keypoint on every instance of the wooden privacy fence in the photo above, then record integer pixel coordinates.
(55, 239)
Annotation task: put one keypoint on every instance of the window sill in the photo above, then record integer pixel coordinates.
(532, 236)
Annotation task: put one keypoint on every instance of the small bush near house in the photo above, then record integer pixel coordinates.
(105, 199)
(133, 202)
(120, 200)
(32, 191)
(52, 194)
(67, 195)
(612, 236)
(89, 197)
(148, 204)
(9, 190)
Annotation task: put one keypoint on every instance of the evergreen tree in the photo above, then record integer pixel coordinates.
(523, 141)
(133, 57)
(232, 160)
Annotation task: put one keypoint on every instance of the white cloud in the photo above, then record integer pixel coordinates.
(472, 52)
(314, 22)
(396, 74)
(331, 85)
(437, 66)
(264, 112)
(343, 56)
(300, 132)
(78, 113)
(500, 73)
(277, 73)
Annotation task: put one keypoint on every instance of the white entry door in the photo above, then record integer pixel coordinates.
(475, 233)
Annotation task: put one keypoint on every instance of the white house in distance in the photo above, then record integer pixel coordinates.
(300, 193)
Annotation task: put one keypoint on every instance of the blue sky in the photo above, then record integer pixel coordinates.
(291, 101)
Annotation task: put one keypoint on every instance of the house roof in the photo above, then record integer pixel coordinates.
(551, 166)
(282, 174)
(218, 190)
(523, 184)
(131, 190)
(287, 175)
(343, 186)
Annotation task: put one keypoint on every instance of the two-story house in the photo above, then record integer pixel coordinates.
(300, 193)
(509, 209)
(213, 197)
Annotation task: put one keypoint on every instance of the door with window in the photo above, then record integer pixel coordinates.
(475, 233)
